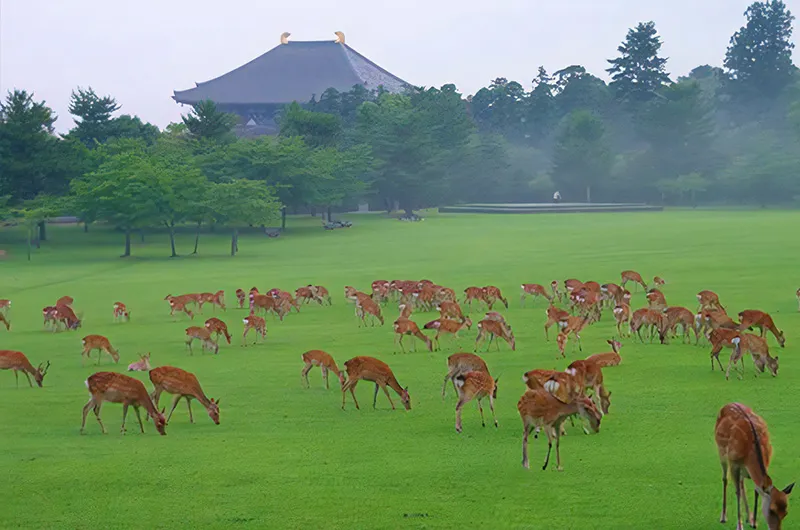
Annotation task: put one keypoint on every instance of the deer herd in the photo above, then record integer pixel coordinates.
(550, 397)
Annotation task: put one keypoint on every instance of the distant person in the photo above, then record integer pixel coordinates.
(557, 197)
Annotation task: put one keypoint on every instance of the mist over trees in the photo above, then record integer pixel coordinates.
(716, 135)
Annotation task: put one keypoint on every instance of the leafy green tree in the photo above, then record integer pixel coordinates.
(541, 109)
(207, 122)
(759, 58)
(318, 129)
(243, 202)
(500, 108)
(126, 126)
(93, 116)
(639, 73)
(576, 89)
(582, 157)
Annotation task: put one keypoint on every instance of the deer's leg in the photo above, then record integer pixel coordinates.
(448, 377)
(139, 417)
(480, 409)
(558, 452)
(754, 521)
(353, 393)
(459, 406)
(724, 516)
(244, 335)
(549, 432)
(189, 406)
(525, 431)
(124, 415)
(737, 482)
(175, 401)
(744, 501)
(89, 405)
(491, 407)
(29, 379)
(16, 377)
(325, 376)
(375, 396)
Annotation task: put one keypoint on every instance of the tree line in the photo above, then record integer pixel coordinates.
(724, 135)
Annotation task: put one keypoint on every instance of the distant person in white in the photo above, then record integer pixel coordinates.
(557, 197)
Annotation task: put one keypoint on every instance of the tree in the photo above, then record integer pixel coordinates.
(243, 202)
(92, 116)
(639, 73)
(317, 129)
(500, 108)
(541, 109)
(126, 126)
(576, 89)
(34, 212)
(581, 157)
(759, 58)
(205, 121)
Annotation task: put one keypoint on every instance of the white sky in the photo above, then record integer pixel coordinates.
(139, 52)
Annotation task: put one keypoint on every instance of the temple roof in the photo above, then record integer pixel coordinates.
(294, 71)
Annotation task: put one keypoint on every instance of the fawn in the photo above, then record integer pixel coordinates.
(325, 362)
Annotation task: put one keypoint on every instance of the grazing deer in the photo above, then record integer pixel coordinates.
(656, 300)
(492, 294)
(49, 316)
(474, 293)
(610, 293)
(571, 285)
(494, 329)
(121, 312)
(475, 385)
(561, 342)
(366, 306)
(745, 451)
(97, 342)
(241, 297)
(65, 301)
(181, 384)
(752, 318)
(142, 365)
(325, 362)
(120, 388)
(321, 294)
(574, 326)
(708, 300)
(304, 294)
(375, 371)
(257, 323)
(403, 327)
(632, 276)
(607, 359)
(554, 316)
(5, 306)
(647, 318)
(18, 362)
(450, 326)
(539, 408)
(176, 304)
(65, 315)
(204, 336)
(723, 338)
(263, 302)
(588, 375)
(675, 316)
(759, 350)
(5, 322)
(215, 299)
(534, 290)
(658, 281)
(218, 327)
(285, 297)
(459, 364)
(622, 315)
(448, 309)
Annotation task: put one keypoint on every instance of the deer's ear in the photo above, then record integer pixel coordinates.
(163, 410)
(788, 489)
(218, 400)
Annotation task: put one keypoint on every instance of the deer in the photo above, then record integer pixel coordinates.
(759, 350)
(65, 301)
(723, 338)
(286, 297)
(304, 294)
(258, 324)
(752, 318)
(742, 343)
(622, 315)
(49, 316)
(475, 385)
(204, 336)
(494, 329)
(448, 309)
(241, 297)
(366, 306)
(492, 294)
(321, 294)
(574, 326)
(450, 326)
(656, 300)
(18, 362)
(403, 327)
(474, 294)
(120, 388)
(554, 316)
(375, 371)
(5, 322)
(610, 293)
(65, 315)
(215, 299)
(675, 316)
(556, 292)
(459, 364)
(649, 318)
(533, 290)
(181, 384)
(218, 327)
(121, 313)
(539, 408)
(326, 364)
(745, 451)
(263, 302)
(571, 285)
(5, 306)
(589, 375)
(612, 358)
(405, 310)
(142, 365)
(632, 276)
(708, 300)
(98, 342)
(176, 304)
(658, 281)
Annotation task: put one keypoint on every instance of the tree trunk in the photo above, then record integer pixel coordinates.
(42, 231)
(409, 212)
(197, 237)
(85, 227)
(141, 234)
(234, 241)
(172, 239)
(283, 218)
(588, 194)
(30, 236)
(127, 243)
(329, 214)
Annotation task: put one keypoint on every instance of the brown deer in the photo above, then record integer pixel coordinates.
(18, 362)
(556, 292)
(574, 326)
(723, 338)
(476, 294)
(5, 322)
(571, 285)
(647, 318)
(607, 359)
(366, 306)
(241, 297)
(65, 301)
(675, 316)
(448, 309)
(622, 315)
(142, 365)
(453, 327)
(403, 327)
(121, 313)
(658, 281)
(218, 327)
(492, 294)
(321, 294)
(475, 385)
(262, 302)
(752, 318)
(120, 388)
(65, 315)
(708, 300)
(745, 451)
(258, 324)
(97, 342)
(539, 408)
(304, 294)
(610, 293)
(461, 363)
(656, 300)
(554, 316)
(588, 375)
(5, 306)
(204, 336)
(181, 384)
(632, 276)
(533, 290)
(494, 329)
(326, 364)
(176, 304)
(375, 371)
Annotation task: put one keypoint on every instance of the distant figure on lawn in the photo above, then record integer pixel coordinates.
(557, 197)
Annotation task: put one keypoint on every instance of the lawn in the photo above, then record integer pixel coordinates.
(289, 457)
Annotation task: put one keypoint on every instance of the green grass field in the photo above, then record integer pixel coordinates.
(289, 457)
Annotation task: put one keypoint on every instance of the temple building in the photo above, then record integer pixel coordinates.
(293, 71)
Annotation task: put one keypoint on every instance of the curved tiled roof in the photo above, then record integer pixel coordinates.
(295, 71)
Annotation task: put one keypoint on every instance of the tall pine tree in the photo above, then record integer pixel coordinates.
(638, 73)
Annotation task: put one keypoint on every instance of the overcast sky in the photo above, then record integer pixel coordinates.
(139, 52)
